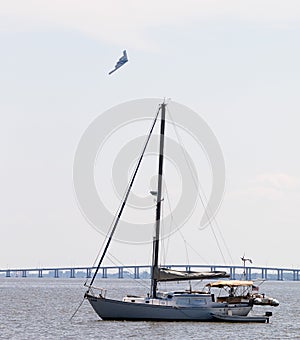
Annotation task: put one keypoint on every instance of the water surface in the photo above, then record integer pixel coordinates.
(40, 308)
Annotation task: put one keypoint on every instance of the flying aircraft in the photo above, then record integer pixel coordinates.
(120, 62)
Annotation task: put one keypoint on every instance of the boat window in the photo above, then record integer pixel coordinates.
(198, 301)
(183, 301)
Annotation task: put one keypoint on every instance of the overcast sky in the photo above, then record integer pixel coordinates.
(235, 63)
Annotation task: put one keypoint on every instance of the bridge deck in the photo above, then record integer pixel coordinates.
(271, 273)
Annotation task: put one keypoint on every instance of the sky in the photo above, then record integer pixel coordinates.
(235, 63)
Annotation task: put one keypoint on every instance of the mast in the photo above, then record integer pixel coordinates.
(158, 203)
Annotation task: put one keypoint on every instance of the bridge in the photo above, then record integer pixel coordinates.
(137, 272)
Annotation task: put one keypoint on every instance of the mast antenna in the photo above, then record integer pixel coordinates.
(244, 265)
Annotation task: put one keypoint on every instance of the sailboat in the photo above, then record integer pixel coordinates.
(179, 305)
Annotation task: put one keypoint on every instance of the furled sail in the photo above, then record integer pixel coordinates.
(230, 283)
(165, 274)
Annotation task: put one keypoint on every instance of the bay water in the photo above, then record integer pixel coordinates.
(41, 308)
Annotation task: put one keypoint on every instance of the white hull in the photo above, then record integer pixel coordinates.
(108, 309)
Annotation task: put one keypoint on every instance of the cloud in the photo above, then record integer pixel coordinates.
(127, 22)
(278, 181)
(273, 186)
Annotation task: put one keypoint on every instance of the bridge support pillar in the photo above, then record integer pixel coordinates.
(120, 273)
(40, 274)
(24, 273)
(72, 273)
(88, 273)
(136, 273)
(104, 273)
(7, 273)
(56, 273)
(232, 273)
(279, 274)
(264, 273)
(248, 274)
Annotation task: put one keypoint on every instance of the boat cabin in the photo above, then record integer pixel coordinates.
(176, 298)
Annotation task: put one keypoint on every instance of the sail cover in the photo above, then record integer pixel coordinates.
(230, 283)
(165, 274)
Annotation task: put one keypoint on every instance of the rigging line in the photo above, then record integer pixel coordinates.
(223, 239)
(77, 309)
(163, 251)
(114, 218)
(102, 246)
(106, 236)
(203, 259)
(171, 219)
(184, 240)
(119, 213)
(185, 245)
(178, 228)
(214, 220)
(166, 240)
(131, 273)
(218, 228)
(196, 184)
(95, 261)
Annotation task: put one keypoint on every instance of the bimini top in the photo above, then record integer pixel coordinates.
(229, 283)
